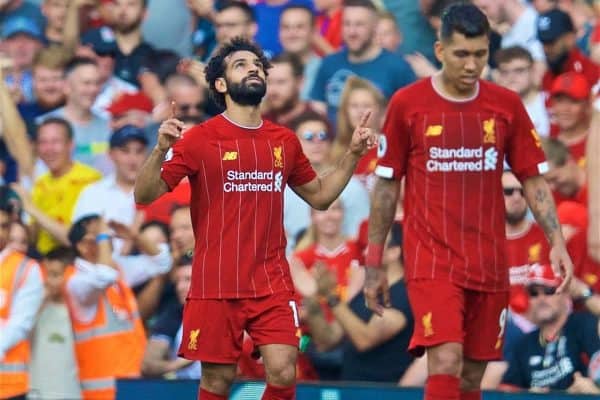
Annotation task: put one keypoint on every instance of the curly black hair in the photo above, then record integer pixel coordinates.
(216, 65)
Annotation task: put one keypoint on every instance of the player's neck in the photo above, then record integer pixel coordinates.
(246, 116)
(551, 331)
(331, 242)
(517, 229)
(575, 134)
(447, 89)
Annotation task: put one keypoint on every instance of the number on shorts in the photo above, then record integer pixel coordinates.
(502, 321)
(292, 304)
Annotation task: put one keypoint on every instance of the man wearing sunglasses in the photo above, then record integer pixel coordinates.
(564, 353)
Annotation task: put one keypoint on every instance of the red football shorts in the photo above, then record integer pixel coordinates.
(447, 313)
(213, 329)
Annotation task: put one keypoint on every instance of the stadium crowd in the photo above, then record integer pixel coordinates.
(92, 286)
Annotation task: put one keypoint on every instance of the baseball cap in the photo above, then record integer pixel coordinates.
(130, 101)
(553, 24)
(126, 134)
(543, 274)
(572, 84)
(101, 40)
(20, 24)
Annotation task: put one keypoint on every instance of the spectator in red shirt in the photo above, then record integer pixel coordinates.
(557, 34)
(570, 108)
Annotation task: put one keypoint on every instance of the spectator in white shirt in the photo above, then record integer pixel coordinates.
(127, 151)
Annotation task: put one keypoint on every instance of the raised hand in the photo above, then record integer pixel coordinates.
(169, 131)
(363, 137)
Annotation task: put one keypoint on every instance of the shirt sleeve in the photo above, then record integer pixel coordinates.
(405, 75)
(591, 344)
(317, 91)
(394, 143)
(25, 305)
(180, 160)
(302, 172)
(87, 285)
(524, 150)
(85, 204)
(515, 375)
(140, 268)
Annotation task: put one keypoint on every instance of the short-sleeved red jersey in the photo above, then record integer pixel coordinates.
(522, 251)
(237, 178)
(452, 154)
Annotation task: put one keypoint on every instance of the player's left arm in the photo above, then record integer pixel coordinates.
(540, 200)
(324, 189)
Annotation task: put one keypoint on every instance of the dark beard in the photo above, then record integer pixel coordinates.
(246, 94)
(127, 28)
(556, 65)
(515, 218)
(287, 106)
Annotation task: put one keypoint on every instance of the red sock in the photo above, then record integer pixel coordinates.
(471, 395)
(204, 394)
(279, 392)
(442, 387)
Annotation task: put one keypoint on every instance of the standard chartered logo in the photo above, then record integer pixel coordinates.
(253, 181)
(462, 159)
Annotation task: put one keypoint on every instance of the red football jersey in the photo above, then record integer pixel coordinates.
(522, 250)
(576, 62)
(586, 268)
(452, 154)
(340, 261)
(237, 179)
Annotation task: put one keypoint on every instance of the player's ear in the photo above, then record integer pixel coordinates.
(221, 85)
(438, 49)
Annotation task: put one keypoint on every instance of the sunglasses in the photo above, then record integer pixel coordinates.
(508, 191)
(535, 291)
(312, 136)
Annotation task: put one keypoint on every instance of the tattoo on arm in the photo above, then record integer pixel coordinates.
(542, 206)
(383, 209)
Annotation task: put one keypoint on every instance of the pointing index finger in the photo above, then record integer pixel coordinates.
(172, 110)
(364, 119)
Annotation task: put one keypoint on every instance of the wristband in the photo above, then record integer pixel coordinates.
(374, 255)
(101, 237)
(333, 300)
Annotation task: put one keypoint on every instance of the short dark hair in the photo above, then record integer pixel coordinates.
(164, 228)
(58, 121)
(293, 60)
(301, 8)
(216, 65)
(312, 116)
(65, 255)
(243, 6)
(508, 54)
(464, 18)
(77, 62)
(360, 3)
(161, 62)
(79, 228)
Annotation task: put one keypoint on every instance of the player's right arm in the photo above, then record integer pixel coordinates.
(149, 185)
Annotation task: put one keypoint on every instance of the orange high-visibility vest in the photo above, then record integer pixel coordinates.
(14, 378)
(111, 345)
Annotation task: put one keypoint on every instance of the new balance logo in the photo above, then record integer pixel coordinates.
(434, 130)
(490, 159)
(230, 156)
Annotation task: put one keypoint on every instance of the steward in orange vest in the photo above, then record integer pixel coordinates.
(109, 335)
(21, 293)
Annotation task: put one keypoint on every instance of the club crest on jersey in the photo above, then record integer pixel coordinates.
(489, 131)
(230, 156)
(434, 130)
(193, 342)
(278, 157)
(427, 324)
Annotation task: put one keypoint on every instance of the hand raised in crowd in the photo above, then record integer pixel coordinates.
(363, 137)
(121, 230)
(193, 68)
(24, 196)
(169, 131)
(325, 279)
(202, 8)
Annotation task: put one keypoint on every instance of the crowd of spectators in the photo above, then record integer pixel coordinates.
(84, 85)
